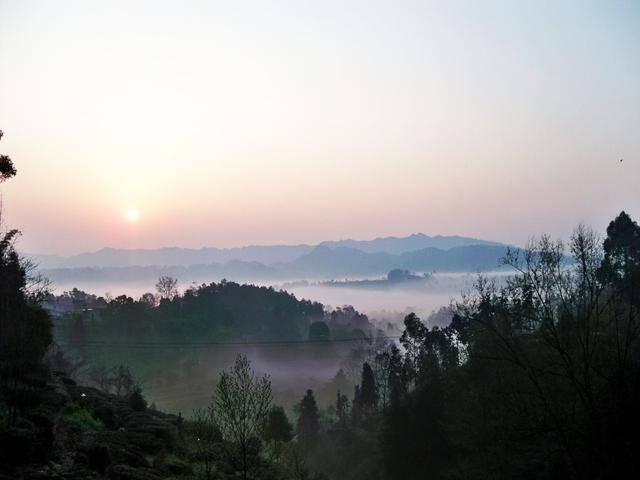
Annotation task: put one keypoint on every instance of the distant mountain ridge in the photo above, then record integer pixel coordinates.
(345, 261)
(265, 254)
(321, 263)
(416, 241)
(173, 256)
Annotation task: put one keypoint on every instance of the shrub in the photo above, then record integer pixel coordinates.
(81, 418)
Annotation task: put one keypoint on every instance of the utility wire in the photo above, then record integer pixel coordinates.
(221, 344)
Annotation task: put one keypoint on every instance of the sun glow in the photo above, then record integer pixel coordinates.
(132, 215)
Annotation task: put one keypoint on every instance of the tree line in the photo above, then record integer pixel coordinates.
(538, 378)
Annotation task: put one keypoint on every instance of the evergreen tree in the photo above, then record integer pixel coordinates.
(342, 410)
(278, 428)
(395, 381)
(309, 420)
(368, 390)
(621, 248)
(621, 262)
(357, 413)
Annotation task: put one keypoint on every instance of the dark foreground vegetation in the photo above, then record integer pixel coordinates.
(535, 379)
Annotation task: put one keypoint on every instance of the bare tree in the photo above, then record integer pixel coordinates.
(241, 404)
(167, 287)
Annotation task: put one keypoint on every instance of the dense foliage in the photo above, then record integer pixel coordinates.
(213, 312)
(536, 379)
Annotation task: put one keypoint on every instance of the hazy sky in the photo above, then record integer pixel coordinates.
(231, 123)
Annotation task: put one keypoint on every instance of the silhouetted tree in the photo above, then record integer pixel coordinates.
(137, 400)
(342, 410)
(278, 428)
(25, 328)
(621, 249)
(167, 287)
(7, 170)
(148, 299)
(621, 263)
(309, 420)
(357, 412)
(368, 390)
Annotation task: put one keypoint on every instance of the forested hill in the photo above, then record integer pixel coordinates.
(225, 311)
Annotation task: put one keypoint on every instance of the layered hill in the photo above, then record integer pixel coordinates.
(320, 262)
(264, 254)
(343, 261)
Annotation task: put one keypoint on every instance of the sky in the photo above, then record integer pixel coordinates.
(141, 124)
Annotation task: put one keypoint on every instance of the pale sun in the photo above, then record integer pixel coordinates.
(132, 215)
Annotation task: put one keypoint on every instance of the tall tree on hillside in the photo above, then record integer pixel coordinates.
(25, 328)
(365, 398)
(621, 248)
(368, 390)
(342, 410)
(241, 405)
(621, 263)
(309, 420)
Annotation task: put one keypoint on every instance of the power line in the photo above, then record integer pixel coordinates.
(220, 344)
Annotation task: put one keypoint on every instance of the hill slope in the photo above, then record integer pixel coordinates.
(73, 432)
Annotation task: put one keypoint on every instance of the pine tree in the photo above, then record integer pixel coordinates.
(356, 408)
(342, 410)
(309, 420)
(277, 428)
(368, 389)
